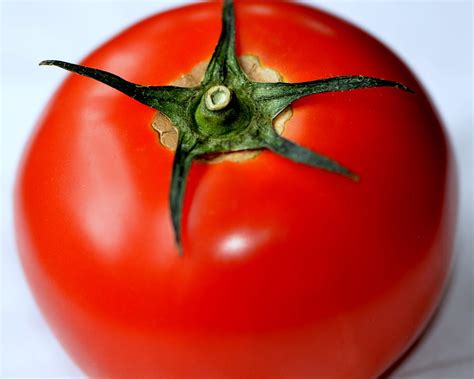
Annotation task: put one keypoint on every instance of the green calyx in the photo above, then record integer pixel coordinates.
(228, 112)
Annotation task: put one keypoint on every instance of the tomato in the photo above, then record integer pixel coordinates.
(288, 271)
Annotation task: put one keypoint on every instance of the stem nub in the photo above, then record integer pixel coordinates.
(217, 98)
(221, 113)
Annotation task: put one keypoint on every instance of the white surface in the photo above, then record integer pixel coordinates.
(434, 38)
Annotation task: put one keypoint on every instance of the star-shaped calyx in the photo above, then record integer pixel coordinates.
(228, 112)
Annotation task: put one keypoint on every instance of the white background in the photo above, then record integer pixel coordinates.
(434, 38)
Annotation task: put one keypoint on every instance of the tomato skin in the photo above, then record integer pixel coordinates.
(289, 272)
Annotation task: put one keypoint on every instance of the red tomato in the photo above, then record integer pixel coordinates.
(289, 271)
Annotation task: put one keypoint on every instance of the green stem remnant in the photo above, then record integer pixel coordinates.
(217, 98)
(228, 112)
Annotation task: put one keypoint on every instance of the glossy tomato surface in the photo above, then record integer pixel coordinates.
(289, 271)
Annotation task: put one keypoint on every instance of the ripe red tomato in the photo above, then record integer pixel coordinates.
(289, 271)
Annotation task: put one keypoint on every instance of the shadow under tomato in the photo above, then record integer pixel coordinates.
(432, 324)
